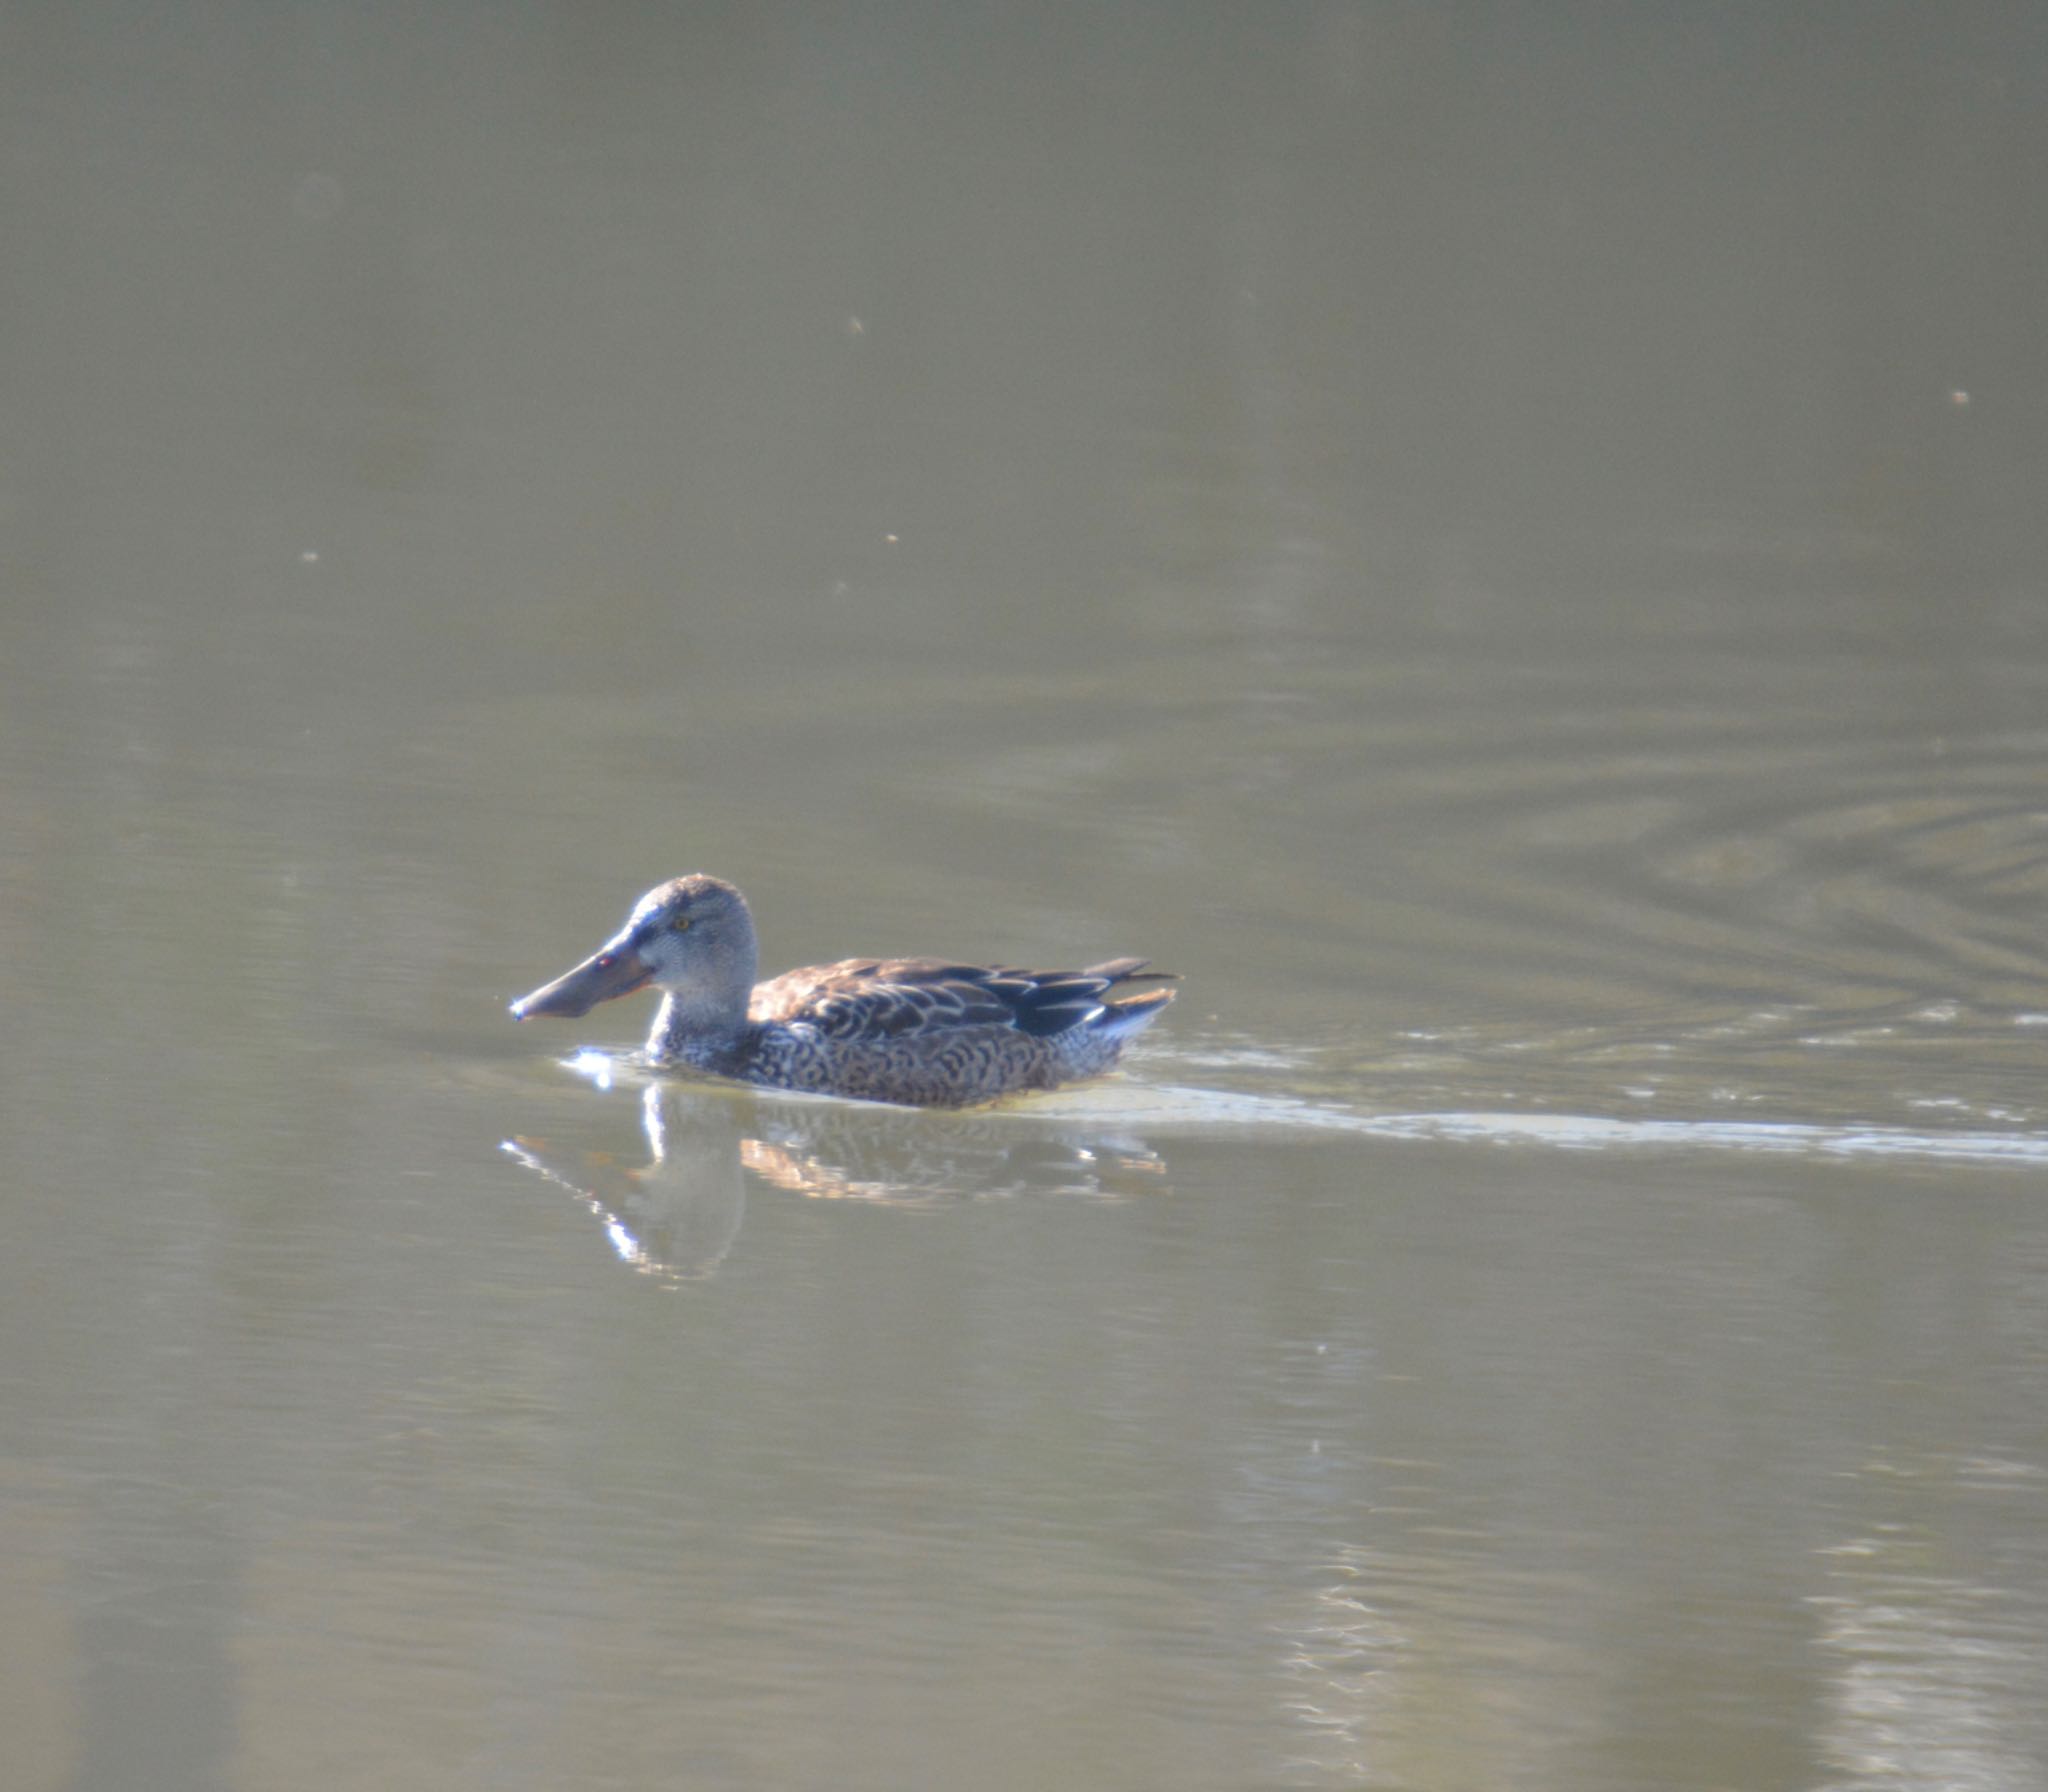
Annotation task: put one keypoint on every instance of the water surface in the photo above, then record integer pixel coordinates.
(1505, 549)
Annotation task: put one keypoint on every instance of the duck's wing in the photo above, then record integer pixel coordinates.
(894, 998)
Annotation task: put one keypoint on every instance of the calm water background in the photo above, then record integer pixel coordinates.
(1506, 544)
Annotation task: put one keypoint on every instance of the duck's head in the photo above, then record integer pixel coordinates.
(691, 937)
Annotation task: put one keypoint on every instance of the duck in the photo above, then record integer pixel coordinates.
(917, 1032)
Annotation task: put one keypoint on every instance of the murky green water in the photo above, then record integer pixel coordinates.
(1507, 549)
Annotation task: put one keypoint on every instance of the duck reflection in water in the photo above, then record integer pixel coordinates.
(678, 1214)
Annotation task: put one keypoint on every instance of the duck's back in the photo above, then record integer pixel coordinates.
(935, 1033)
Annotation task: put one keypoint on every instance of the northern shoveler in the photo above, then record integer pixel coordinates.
(918, 1031)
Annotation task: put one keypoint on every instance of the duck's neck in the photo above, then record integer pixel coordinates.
(699, 1025)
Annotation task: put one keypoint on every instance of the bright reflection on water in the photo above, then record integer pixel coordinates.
(678, 1209)
(1505, 547)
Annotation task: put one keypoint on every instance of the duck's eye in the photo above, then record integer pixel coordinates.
(680, 924)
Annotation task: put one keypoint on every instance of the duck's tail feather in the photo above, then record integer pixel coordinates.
(1129, 970)
(1130, 1014)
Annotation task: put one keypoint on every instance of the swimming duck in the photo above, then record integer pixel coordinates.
(922, 1032)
